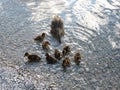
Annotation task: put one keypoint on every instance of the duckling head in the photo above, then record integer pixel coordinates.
(43, 34)
(46, 54)
(67, 58)
(77, 58)
(26, 54)
(47, 43)
(56, 50)
(68, 48)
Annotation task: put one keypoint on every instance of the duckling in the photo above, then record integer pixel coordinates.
(32, 57)
(66, 50)
(57, 28)
(77, 58)
(66, 63)
(45, 45)
(57, 54)
(40, 38)
(50, 59)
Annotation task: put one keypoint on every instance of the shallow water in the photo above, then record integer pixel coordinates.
(91, 26)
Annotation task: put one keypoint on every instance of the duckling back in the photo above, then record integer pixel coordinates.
(33, 58)
(50, 59)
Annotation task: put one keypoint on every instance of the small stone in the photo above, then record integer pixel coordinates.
(97, 63)
(87, 69)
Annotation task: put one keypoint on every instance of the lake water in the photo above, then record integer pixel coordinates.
(91, 26)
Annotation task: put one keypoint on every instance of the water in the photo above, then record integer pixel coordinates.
(91, 26)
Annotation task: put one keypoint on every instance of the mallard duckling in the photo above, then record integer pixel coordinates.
(45, 45)
(66, 63)
(40, 38)
(57, 28)
(32, 57)
(50, 59)
(77, 58)
(66, 50)
(57, 54)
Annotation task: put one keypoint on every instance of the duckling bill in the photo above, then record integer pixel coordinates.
(50, 59)
(32, 57)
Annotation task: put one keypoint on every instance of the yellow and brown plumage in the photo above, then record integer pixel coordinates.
(50, 59)
(45, 45)
(57, 54)
(32, 57)
(57, 28)
(66, 50)
(66, 63)
(40, 38)
(77, 58)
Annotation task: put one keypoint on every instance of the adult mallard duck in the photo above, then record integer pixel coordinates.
(57, 28)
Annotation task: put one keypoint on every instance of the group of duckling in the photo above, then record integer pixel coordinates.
(55, 24)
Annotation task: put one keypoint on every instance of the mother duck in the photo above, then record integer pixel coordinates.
(57, 28)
